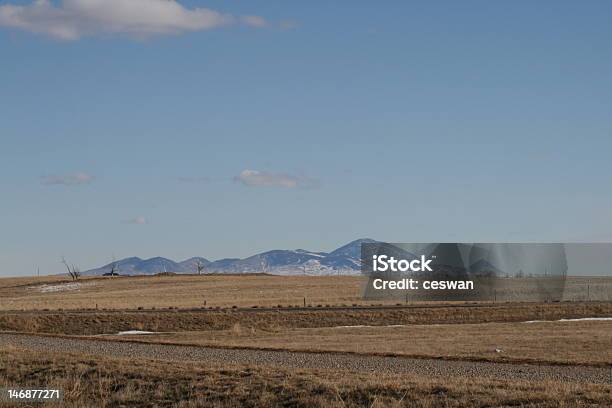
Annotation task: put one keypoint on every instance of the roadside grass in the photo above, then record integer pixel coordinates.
(101, 382)
(99, 322)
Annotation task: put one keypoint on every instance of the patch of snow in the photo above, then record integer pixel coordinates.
(130, 332)
(583, 319)
(530, 321)
(62, 287)
(366, 326)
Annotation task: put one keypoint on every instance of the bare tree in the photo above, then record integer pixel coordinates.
(200, 267)
(76, 272)
(114, 268)
(73, 271)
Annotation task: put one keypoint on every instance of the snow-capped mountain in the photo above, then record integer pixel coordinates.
(266, 262)
(347, 256)
(344, 260)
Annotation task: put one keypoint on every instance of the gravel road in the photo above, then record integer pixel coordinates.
(392, 365)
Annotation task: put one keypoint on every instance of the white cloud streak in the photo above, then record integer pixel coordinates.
(255, 178)
(67, 179)
(137, 221)
(73, 19)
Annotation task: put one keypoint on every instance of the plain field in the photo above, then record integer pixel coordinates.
(244, 312)
(178, 291)
(192, 291)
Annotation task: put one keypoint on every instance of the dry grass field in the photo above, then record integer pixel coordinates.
(90, 381)
(186, 291)
(581, 342)
(267, 312)
(192, 291)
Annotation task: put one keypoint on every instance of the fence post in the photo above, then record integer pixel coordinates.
(588, 292)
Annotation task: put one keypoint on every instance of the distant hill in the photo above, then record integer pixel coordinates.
(138, 266)
(191, 264)
(344, 260)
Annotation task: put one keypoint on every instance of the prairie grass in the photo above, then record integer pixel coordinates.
(100, 382)
(225, 291)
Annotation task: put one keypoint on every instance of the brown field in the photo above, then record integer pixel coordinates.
(585, 342)
(95, 381)
(184, 291)
(268, 312)
(189, 291)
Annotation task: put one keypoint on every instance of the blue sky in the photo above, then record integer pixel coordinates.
(281, 124)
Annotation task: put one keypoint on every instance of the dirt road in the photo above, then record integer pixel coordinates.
(349, 362)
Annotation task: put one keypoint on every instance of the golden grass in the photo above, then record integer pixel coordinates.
(586, 342)
(189, 291)
(98, 382)
(181, 291)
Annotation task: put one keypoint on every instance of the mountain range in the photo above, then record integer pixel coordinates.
(344, 260)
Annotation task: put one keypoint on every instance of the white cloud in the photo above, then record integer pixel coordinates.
(137, 220)
(255, 178)
(68, 179)
(73, 19)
